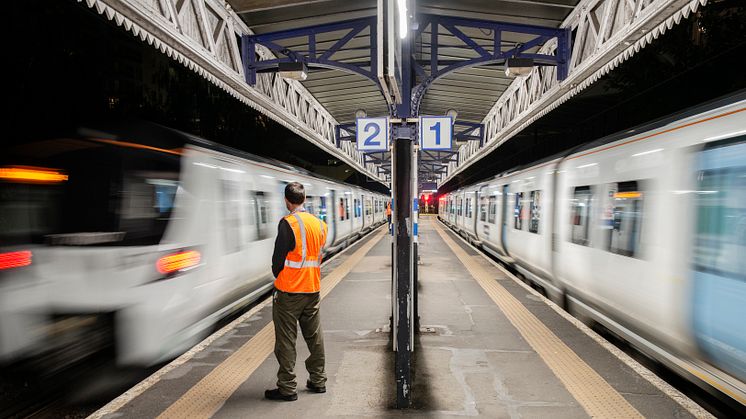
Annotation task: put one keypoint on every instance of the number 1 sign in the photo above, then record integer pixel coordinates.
(436, 132)
(372, 134)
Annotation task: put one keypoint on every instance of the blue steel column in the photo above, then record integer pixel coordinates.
(403, 169)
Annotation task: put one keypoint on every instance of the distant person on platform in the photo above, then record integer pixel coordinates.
(388, 213)
(296, 298)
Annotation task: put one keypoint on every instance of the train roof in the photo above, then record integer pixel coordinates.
(159, 136)
(726, 100)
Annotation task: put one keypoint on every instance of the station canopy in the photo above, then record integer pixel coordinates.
(471, 91)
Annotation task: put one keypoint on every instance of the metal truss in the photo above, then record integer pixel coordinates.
(469, 131)
(607, 32)
(203, 35)
(494, 54)
(312, 57)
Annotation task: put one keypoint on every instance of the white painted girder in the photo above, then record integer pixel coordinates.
(203, 35)
(607, 32)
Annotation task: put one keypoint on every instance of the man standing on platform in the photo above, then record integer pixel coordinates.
(388, 214)
(296, 298)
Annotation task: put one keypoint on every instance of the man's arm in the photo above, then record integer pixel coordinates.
(284, 243)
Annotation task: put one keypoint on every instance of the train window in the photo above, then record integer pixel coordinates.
(624, 218)
(535, 212)
(466, 208)
(483, 208)
(347, 208)
(309, 205)
(580, 213)
(341, 209)
(492, 215)
(322, 208)
(367, 207)
(518, 211)
(720, 243)
(231, 216)
(261, 208)
(129, 193)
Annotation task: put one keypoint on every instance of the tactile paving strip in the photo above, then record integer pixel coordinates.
(209, 394)
(596, 396)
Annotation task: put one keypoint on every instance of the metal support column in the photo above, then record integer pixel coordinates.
(403, 272)
(404, 192)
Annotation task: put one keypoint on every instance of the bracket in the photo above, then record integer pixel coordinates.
(312, 57)
(429, 72)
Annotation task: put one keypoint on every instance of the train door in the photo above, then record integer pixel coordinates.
(231, 268)
(719, 294)
(475, 214)
(332, 217)
(356, 213)
(504, 219)
(368, 212)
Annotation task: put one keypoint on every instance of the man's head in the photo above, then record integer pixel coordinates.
(295, 195)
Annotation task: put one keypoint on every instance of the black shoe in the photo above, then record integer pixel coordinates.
(315, 389)
(276, 395)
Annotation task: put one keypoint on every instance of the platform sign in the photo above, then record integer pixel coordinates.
(436, 132)
(372, 134)
(388, 53)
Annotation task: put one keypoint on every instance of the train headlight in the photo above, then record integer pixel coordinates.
(178, 262)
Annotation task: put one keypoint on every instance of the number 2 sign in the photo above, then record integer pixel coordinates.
(372, 134)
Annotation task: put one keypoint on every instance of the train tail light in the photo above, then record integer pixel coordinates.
(17, 259)
(173, 263)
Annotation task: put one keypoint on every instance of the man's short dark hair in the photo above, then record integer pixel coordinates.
(295, 193)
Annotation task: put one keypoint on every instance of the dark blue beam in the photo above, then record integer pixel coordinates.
(311, 57)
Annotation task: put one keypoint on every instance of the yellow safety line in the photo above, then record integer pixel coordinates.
(209, 394)
(596, 396)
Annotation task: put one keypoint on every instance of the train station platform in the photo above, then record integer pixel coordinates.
(488, 346)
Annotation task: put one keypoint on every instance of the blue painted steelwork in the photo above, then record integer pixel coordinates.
(467, 133)
(312, 58)
(350, 128)
(439, 68)
(411, 69)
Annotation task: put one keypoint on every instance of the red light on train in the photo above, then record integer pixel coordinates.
(176, 262)
(15, 259)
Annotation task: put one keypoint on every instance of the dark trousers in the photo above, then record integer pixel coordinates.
(289, 310)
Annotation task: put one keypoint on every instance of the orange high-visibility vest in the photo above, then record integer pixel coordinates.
(388, 209)
(302, 271)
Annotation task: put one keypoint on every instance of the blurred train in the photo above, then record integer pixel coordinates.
(643, 232)
(144, 241)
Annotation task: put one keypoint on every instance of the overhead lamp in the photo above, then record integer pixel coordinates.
(295, 70)
(360, 113)
(519, 67)
(452, 113)
(402, 7)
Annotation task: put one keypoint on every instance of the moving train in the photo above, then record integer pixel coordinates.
(143, 238)
(643, 232)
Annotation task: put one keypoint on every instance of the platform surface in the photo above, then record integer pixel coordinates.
(491, 347)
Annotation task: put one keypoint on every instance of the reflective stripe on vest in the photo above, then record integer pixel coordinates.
(302, 272)
(303, 263)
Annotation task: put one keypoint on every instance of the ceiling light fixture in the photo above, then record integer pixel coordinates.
(295, 70)
(519, 67)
